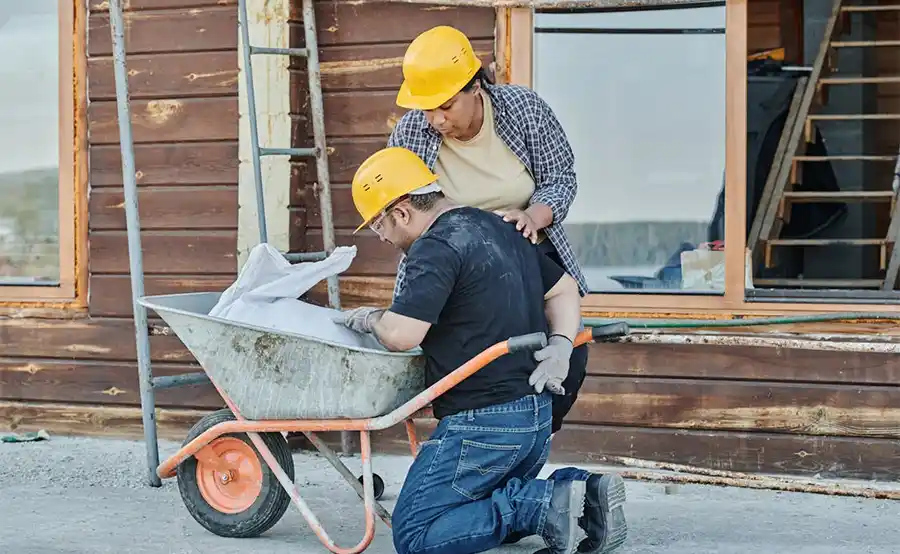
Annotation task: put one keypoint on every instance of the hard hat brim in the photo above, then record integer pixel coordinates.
(381, 209)
(406, 99)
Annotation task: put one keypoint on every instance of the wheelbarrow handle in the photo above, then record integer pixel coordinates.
(526, 343)
(610, 331)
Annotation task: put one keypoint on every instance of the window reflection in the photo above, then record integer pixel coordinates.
(29, 142)
(642, 100)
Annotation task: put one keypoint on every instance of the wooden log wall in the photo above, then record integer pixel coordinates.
(732, 408)
(183, 82)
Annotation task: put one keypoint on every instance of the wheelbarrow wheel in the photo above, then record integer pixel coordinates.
(377, 485)
(247, 500)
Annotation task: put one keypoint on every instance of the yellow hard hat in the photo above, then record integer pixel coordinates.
(384, 177)
(437, 65)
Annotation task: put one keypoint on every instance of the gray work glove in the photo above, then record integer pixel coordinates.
(553, 365)
(358, 319)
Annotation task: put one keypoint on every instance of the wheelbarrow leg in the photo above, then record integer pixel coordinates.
(308, 515)
(348, 476)
(411, 435)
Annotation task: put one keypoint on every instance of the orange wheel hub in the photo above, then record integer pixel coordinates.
(235, 482)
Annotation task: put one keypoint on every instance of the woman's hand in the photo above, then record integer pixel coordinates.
(529, 221)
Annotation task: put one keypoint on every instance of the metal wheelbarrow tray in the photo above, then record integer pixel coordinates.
(235, 471)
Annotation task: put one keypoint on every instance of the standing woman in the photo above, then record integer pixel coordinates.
(494, 147)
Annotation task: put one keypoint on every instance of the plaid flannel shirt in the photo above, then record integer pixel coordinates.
(529, 127)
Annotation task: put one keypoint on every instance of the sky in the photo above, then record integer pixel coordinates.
(645, 113)
(29, 85)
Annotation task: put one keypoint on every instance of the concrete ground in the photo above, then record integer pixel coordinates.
(86, 496)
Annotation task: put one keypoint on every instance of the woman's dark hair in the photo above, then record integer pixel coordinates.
(480, 76)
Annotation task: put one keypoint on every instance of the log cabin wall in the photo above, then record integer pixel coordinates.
(725, 407)
(80, 375)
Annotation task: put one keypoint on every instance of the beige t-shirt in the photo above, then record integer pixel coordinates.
(483, 172)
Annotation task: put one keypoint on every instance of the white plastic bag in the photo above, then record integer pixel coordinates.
(266, 290)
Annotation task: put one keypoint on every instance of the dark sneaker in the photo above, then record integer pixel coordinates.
(566, 507)
(604, 515)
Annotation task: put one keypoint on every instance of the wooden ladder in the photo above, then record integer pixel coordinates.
(778, 195)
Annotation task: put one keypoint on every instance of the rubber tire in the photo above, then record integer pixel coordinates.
(268, 508)
(377, 485)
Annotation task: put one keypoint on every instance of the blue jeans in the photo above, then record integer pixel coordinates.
(473, 482)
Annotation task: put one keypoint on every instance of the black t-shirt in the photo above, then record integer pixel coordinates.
(478, 282)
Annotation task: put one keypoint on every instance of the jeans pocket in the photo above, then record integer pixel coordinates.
(482, 467)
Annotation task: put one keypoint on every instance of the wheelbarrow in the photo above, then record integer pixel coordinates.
(235, 471)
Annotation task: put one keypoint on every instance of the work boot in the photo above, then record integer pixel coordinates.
(604, 515)
(561, 526)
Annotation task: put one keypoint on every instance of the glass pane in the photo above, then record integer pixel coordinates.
(29, 142)
(645, 114)
(827, 234)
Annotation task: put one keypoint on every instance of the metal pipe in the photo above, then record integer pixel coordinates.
(171, 381)
(133, 224)
(324, 179)
(345, 472)
(318, 119)
(251, 116)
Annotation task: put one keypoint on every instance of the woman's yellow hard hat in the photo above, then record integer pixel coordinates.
(437, 65)
(384, 177)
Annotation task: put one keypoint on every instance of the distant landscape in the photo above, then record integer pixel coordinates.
(29, 225)
(630, 244)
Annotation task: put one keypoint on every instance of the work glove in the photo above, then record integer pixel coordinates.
(358, 319)
(553, 365)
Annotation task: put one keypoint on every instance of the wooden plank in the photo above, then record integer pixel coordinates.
(352, 22)
(167, 75)
(94, 421)
(83, 339)
(840, 196)
(350, 114)
(132, 5)
(213, 207)
(820, 283)
(343, 212)
(168, 120)
(373, 257)
(703, 361)
(213, 163)
(356, 291)
(366, 67)
(182, 30)
(344, 158)
(800, 408)
(111, 383)
(111, 294)
(826, 457)
(172, 252)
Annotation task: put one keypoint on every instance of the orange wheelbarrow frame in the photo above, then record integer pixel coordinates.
(199, 446)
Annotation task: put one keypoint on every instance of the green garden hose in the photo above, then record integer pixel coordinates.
(750, 322)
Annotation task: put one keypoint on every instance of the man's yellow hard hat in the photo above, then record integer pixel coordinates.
(384, 177)
(437, 65)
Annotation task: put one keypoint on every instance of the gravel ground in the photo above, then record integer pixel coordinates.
(86, 496)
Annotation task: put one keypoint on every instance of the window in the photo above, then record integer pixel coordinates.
(37, 150)
(641, 95)
(828, 236)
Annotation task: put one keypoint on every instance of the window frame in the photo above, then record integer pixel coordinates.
(73, 174)
(516, 52)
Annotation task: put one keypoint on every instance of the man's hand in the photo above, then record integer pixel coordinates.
(524, 223)
(553, 365)
(359, 319)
